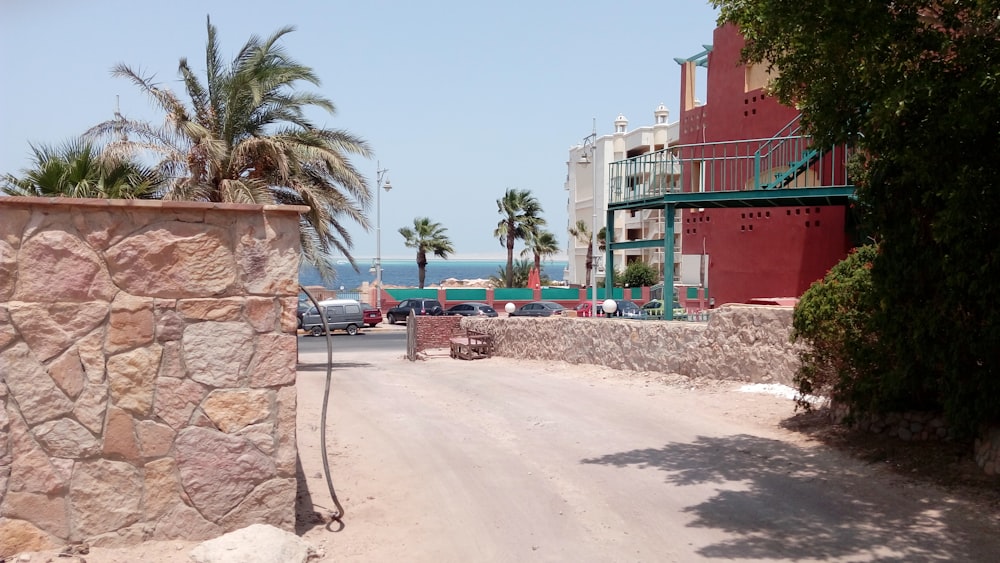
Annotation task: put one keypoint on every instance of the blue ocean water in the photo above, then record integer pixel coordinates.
(404, 272)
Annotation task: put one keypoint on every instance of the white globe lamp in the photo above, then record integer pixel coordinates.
(509, 308)
(610, 306)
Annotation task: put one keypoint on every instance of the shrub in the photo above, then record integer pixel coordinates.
(833, 318)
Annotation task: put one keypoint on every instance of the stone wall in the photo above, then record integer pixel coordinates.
(147, 355)
(739, 342)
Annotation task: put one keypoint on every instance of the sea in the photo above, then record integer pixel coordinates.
(404, 273)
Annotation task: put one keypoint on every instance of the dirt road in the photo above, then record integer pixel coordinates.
(501, 460)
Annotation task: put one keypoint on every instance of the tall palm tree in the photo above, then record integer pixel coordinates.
(78, 169)
(520, 216)
(541, 244)
(582, 234)
(243, 136)
(426, 237)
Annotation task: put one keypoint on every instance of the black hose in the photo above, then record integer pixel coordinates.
(326, 399)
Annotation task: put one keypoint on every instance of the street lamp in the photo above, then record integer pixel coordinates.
(381, 182)
(590, 146)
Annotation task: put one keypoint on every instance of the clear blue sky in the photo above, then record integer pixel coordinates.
(460, 100)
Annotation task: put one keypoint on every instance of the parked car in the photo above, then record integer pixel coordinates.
(341, 314)
(418, 306)
(304, 305)
(539, 309)
(471, 309)
(372, 315)
(626, 308)
(654, 309)
(583, 309)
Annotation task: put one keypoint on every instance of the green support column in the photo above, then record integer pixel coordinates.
(609, 256)
(669, 211)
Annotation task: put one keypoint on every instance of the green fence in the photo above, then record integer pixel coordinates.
(465, 294)
(513, 294)
(401, 294)
(560, 294)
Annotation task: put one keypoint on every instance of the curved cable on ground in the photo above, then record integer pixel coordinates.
(326, 399)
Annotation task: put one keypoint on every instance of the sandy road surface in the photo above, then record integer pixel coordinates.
(500, 460)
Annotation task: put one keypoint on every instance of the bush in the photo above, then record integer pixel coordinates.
(833, 318)
(639, 274)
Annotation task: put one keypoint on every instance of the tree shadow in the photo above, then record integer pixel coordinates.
(780, 501)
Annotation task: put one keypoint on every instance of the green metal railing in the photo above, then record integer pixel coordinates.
(784, 161)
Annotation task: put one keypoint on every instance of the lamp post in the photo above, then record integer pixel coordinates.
(590, 145)
(381, 182)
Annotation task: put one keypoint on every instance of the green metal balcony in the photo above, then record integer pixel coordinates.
(782, 170)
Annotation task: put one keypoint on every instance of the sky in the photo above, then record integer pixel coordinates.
(459, 100)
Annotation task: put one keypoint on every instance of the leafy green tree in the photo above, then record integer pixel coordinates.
(520, 215)
(912, 86)
(426, 236)
(244, 136)
(78, 169)
(639, 274)
(541, 244)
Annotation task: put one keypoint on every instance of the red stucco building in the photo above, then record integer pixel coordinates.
(752, 252)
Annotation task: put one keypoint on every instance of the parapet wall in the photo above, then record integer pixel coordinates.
(147, 354)
(739, 342)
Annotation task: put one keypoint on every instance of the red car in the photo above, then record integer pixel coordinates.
(584, 309)
(372, 315)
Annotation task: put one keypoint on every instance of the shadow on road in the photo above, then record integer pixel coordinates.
(781, 501)
(321, 366)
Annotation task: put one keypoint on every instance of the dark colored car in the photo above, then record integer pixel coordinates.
(626, 308)
(471, 309)
(539, 309)
(373, 315)
(304, 305)
(418, 306)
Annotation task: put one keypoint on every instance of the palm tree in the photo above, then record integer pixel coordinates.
(520, 273)
(582, 234)
(541, 244)
(243, 136)
(520, 216)
(426, 237)
(78, 169)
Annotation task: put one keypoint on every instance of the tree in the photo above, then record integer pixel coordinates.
(541, 244)
(78, 169)
(520, 216)
(519, 275)
(582, 234)
(639, 274)
(244, 137)
(426, 237)
(912, 86)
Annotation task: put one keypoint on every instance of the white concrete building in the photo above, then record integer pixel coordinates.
(584, 168)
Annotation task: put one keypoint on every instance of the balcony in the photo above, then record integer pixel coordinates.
(782, 170)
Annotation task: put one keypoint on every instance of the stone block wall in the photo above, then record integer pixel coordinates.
(147, 370)
(739, 342)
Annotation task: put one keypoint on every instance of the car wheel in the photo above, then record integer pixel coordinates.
(391, 318)
(352, 329)
(316, 331)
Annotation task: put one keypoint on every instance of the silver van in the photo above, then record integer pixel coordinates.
(341, 314)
